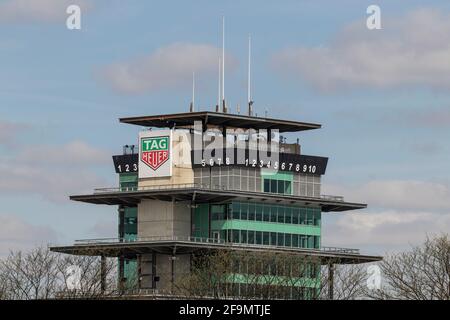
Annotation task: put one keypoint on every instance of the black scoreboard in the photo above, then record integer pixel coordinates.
(288, 162)
(126, 163)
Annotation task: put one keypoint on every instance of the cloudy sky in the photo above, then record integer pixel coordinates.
(383, 97)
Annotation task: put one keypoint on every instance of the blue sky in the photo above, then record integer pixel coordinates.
(383, 97)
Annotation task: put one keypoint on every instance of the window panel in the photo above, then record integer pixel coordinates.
(280, 239)
(266, 211)
(259, 212)
(251, 211)
(244, 211)
(288, 240)
(280, 215)
(243, 236)
(258, 237)
(251, 237)
(273, 238)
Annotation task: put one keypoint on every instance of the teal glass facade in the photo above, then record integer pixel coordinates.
(257, 223)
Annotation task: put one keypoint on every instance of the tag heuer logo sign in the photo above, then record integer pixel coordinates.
(155, 151)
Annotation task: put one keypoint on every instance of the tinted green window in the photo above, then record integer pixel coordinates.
(266, 211)
(259, 212)
(288, 240)
(273, 186)
(236, 210)
(266, 238)
(280, 239)
(243, 236)
(280, 215)
(302, 215)
(266, 185)
(251, 211)
(258, 237)
(287, 215)
(235, 237)
(251, 237)
(244, 211)
(295, 240)
(295, 213)
(273, 238)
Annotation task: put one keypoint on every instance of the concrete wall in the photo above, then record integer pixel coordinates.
(163, 218)
(163, 270)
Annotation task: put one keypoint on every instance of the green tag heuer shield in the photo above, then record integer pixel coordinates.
(155, 151)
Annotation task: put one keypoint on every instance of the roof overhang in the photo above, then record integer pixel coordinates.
(219, 119)
(188, 247)
(198, 195)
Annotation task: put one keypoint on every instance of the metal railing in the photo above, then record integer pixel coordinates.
(332, 198)
(206, 241)
(192, 186)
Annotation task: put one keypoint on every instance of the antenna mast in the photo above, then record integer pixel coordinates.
(193, 93)
(249, 79)
(224, 106)
(219, 89)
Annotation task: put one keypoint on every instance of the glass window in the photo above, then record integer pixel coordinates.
(280, 186)
(303, 189)
(280, 215)
(236, 210)
(288, 240)
(259, 212)
(273, 238)
(266, 210)
(304, 241)
(251, 237)
(243, 236)
(288, 215)
(251, 211)
(280, 239)
(244, 211)
(295, 213)
(316, 242)
(258, 237)
(309, 217)
(310, 242)
(266, 185)
(273, 186)
(287, 187)
(309, 189)
(235, 237)
(273, 214)
(266, 238)
(302, 215)
(295, 240)
(217, 212)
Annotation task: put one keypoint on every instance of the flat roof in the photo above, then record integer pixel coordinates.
(202, 195)
(188, 247)
(219, 119)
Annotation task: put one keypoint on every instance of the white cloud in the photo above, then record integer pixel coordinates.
(167, 67)
(390, 229)
(48, 170)
(17, 234)
(9, 131)
(72, 153)
(397, 194)
(412, 50)
(32, 11)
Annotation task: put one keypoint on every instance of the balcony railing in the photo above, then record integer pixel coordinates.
(213, 241)
(190, 186)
